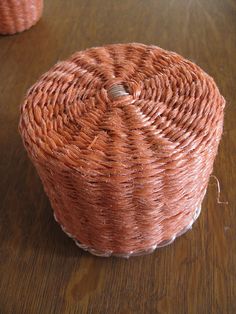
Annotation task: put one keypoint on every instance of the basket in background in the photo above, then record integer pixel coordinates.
(19, 15)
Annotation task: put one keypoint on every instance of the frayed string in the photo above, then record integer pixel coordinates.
(218, 190)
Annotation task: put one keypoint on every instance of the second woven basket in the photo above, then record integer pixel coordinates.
(19, 15)
(124, 139)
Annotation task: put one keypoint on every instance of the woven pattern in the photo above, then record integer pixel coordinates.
(123, 138)
(19, 15)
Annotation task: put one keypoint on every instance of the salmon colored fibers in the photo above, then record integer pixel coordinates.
(19, 15)
(123, 138)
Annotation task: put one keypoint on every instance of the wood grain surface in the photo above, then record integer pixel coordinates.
(41, 269)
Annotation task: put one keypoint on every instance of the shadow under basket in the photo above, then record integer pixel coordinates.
(123, 138)
(19, 15)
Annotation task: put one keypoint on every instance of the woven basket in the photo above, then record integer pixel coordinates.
(19, 15)
(123, 138)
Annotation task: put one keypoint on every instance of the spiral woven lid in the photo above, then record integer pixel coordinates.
(124, 138)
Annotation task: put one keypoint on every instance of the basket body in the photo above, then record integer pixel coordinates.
(19, 15)
(123, 138)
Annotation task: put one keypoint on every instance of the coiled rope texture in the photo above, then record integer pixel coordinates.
(123, 138)
(19, 15)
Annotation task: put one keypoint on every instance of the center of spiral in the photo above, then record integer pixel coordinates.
(116, 91)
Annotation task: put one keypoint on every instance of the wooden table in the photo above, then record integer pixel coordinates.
(41, 270)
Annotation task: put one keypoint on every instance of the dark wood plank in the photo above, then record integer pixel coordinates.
(41, 270)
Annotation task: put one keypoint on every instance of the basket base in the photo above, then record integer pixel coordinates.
(132, 253)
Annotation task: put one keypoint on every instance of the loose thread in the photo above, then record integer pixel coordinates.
(218, 191)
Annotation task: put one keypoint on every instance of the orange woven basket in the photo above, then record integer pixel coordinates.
(19, 15)
(123, 138)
